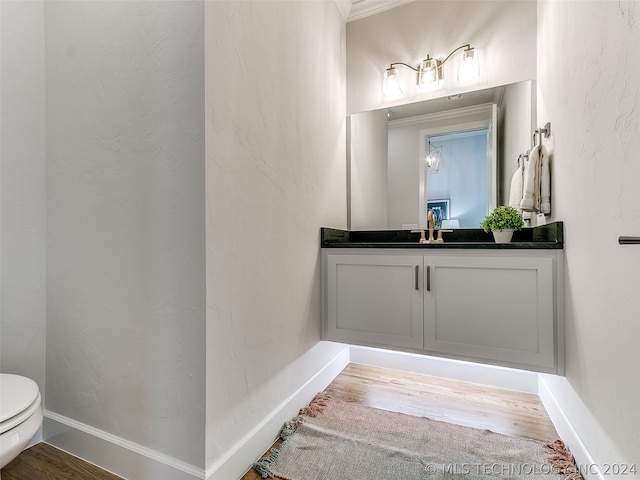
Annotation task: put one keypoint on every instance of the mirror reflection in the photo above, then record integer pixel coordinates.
(463, 173)
(453, 155)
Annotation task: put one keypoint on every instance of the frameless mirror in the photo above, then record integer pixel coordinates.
(393, 173)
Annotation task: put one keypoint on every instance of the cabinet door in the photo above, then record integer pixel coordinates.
(495, 308)
(375, 300)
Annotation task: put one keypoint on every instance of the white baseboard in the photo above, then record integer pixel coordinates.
(135, 462)
(117, 455)
(575, 425)
(489, 375)
(245, 452)
(566, 431)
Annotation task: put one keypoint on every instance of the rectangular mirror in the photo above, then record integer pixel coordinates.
(455, 155)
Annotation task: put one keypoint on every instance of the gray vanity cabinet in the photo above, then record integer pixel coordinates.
(491, 306)
(375, 299)
(494, 308)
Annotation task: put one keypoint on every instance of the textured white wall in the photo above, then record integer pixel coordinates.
(23, 201)
(589, 89)
(368, 170)
(503, 32)
(125, 145)
(275, 173)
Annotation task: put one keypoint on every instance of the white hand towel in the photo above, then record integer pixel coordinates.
(515, 194)
(531, 185)
(545, 182)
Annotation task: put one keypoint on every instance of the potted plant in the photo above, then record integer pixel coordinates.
(503, 221)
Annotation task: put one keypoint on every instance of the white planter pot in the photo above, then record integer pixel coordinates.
(502, 236)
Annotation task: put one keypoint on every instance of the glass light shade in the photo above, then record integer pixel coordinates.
(428, 75)
(469, 68)
(432, 159)
(391, 83)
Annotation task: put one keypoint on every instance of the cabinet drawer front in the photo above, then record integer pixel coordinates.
(500, 309)
(375, 300)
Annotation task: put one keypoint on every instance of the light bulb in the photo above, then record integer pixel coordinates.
(428, 75)
(469, 68)
(391, 83)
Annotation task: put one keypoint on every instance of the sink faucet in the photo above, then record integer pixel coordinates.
(431, 223)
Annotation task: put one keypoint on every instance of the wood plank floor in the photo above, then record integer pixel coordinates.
(45, 462)
(502, 411)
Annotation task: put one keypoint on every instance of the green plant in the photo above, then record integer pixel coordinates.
(503, 218)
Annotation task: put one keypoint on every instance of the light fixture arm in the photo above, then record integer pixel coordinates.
(467, 46)
(406, 65)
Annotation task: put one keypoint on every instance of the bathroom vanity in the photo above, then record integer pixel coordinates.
(467, 298)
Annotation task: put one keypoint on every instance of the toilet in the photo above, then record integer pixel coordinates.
(20, 415)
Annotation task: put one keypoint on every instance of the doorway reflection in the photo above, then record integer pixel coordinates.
(457, 190)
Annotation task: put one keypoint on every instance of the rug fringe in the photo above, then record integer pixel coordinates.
(317, 405)
(563, 460)
(262, 466)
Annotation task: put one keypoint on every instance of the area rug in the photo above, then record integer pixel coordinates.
(336, 440)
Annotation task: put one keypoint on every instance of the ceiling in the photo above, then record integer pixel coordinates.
(479, 97)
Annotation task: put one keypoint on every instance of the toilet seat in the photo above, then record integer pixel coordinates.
(19, 400)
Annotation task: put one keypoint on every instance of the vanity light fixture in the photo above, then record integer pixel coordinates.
(429, 73)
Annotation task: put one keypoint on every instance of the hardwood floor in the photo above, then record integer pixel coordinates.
(44, 462)
(502, 411)
(499, 410)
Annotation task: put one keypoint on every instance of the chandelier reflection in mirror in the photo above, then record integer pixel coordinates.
(430, 72)
(432, 158)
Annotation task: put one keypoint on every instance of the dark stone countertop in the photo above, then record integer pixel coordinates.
(549, 236)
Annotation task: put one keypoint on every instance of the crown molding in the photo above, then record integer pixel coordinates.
(344, 6)
(364, 8)
(438, 116)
